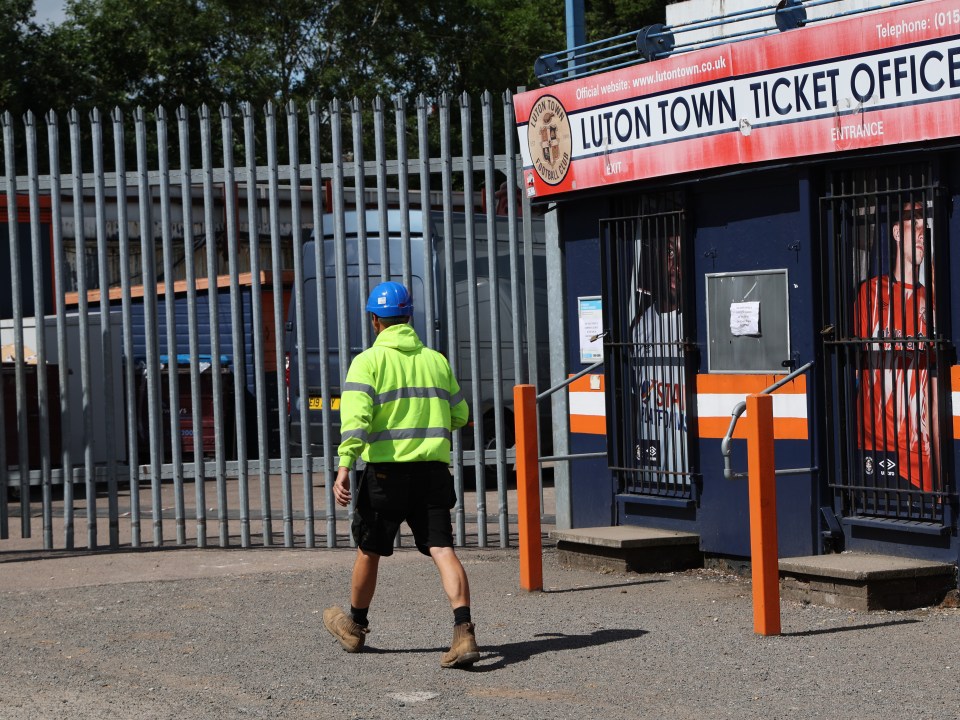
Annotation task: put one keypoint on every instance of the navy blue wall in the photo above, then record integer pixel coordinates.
(764, 220)
(758, 221)
(591, 483)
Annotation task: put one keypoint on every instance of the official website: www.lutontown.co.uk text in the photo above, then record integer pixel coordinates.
(686, 71)
(681, 72)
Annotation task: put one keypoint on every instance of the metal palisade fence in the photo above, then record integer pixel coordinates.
(176, 325)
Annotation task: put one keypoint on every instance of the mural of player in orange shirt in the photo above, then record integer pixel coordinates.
(897, 408)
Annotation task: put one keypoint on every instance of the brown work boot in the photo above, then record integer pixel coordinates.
(344, 629)
(463, 650)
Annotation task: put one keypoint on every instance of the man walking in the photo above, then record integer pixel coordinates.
(398, 407)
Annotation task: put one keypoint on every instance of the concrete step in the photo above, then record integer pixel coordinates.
(857, 581)
(628, 548)
(864, 581)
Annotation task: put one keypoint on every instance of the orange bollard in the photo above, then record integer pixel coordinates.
(763, 515)
(528, 487)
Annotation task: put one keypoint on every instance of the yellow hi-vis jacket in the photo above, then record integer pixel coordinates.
(400, 402)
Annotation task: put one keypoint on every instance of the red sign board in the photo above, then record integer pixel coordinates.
(878, 79)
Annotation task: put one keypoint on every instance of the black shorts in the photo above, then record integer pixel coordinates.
(420, 493)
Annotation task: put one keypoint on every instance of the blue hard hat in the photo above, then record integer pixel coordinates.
(390, 299)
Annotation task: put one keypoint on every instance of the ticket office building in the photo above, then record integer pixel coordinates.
(718, 284)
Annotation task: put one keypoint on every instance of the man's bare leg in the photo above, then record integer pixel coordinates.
(350, 628)
(452, 575)
(364, 580)
(463, 650)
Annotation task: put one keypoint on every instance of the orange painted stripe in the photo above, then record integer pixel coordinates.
(783, 428)
(589, 424)
(582, 384)
(955, 386)
(715, 426)
(786, 428)
(747, 384)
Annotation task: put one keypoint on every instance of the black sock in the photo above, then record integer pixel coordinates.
(360, 616)
(461, 615)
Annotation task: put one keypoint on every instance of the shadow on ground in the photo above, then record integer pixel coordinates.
(514, 653)
(848, 628)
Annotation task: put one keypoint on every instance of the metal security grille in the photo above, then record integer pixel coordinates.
(192, 361)
(646, 349)
(885, 336)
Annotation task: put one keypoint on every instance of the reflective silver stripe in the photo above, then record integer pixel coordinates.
(456, 399)
(359, 387)
(358, 433)
(410, 434)
(405, 393)
(411, 392)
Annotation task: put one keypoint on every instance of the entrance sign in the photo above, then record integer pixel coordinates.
(879, 79)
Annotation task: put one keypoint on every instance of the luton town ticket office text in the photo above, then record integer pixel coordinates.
(775, 160)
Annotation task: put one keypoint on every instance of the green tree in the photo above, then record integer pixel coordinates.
(147, 53)
(127, 53)
(264, 51)
(514, 35)
(140, 53)
(608, 18)
(20, 39)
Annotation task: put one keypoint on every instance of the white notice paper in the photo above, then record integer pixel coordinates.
(745, 318)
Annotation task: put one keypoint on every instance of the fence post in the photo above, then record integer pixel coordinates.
(763, 515)
(528, 491)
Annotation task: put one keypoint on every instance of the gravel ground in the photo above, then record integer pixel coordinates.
(238, 634)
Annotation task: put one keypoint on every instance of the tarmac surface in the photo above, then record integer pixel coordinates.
(236, 633)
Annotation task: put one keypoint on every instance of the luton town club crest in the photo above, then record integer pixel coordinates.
(548, 136)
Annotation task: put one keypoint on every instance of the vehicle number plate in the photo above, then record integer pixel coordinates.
(316, 403)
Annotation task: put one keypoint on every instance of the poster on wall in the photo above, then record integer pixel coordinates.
(590, 318)
(883, 78)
